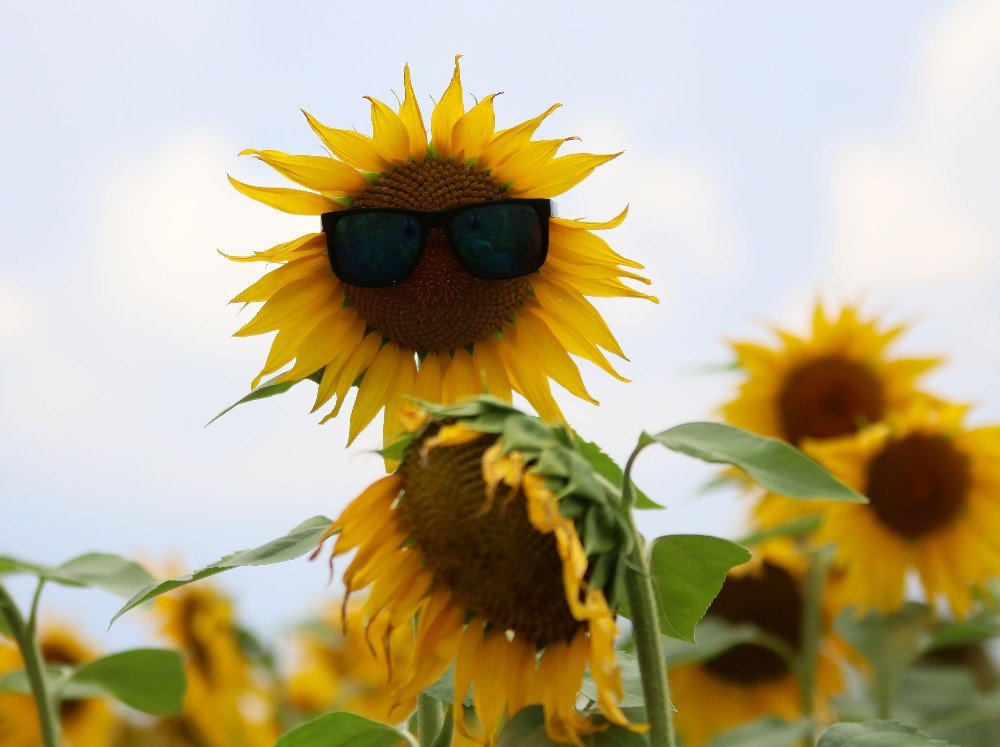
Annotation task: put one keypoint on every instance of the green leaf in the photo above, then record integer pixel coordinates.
(768, 732)
(962, 632)
(527, 729)
(265, 390)
(800, 527)
(343, 729)
(111, 573)
(299, 541)
(714, 636)
(688, 571)
(890, 643)
(605, 466)
(147, 679)
(772, 464)
(875, 734)
(444, 688)
(17, 681)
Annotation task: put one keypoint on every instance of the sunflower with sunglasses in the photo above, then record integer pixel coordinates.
(440, 271)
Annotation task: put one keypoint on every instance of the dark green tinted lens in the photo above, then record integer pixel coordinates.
(498, 241)
(374, 248)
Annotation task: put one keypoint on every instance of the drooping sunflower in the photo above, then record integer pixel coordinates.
(933, 486)
(444, 332)
(748, 681)
(85, 722)
(827, 384)
(481, 532)
(225, 704)
(342, 672)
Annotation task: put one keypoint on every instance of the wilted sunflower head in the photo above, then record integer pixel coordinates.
(85, 722)
(749, 681)
(500, 535)
(831, 382)
(444, 332)
(933, 488)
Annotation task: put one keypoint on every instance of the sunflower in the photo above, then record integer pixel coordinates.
(443, 333)
(481, 533)
(748, 682)
(933, 486)
(827, 384)
(86, 722)
(224, 704)
(342, 673)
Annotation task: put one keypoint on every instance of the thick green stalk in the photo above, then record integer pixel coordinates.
(428, 720)
(812, 621)
(642, 603)
(48, 717)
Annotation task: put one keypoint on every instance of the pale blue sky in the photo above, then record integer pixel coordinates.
(773, 151)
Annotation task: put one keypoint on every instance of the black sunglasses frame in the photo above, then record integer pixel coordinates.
(429, 219)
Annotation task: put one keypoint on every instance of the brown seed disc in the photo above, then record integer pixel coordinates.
(495, 563)
(772, 602)
(828, 397)
(918, 484)
(441, 306)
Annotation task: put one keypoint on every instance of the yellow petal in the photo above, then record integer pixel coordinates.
(293, 201)
(544, 350)
(458, 380)
(561, 174)
(474, 129)
(447, 112)
(355, 365)
(351, 147)
(390, 138)
(592, 226)
(409, 113)
(581, 245)
(428, 385)
(375, 388)
(488, 364)
(325, 343)
(304, 245)
(571, 305)
(507, 142)
(283, 349)
(527, 161)
(294, 302)
(276, 279)
(320, 173)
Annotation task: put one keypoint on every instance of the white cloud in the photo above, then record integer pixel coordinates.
(918, 211)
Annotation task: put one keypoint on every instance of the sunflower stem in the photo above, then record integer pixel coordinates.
(646, 627)
(23, 633)
(428, 720)
(812, 621)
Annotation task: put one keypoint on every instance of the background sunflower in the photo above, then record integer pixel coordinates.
(442, 333)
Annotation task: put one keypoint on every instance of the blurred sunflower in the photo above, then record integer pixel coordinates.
(934, 491)
(827, 384)
(748, 681)
(442, 332)
(86, 722)
(482, 533)
(342, 673)
(224, 704)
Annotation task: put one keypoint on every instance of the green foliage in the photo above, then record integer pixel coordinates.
(688, 571)
(343, 729)
(111, 573)
(794, 529)
(772, 464)
(268, 389)
(714, 636)
(527, 729)
(875, 734)
(608, 468)
(890, 643)
(768, 732)
(299, 541)
(147, 679)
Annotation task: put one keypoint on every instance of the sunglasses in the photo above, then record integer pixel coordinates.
(379, 247)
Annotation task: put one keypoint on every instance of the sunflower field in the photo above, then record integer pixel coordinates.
(797, 545)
